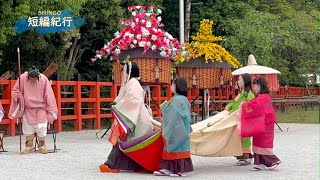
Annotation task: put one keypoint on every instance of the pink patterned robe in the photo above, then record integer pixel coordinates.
(262, 143)
(38, 102)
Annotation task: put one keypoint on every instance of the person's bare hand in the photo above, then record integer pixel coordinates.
(19, 95)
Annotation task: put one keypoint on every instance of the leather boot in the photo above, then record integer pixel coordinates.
(42, 145)
(29, 145)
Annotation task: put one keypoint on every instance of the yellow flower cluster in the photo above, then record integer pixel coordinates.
(205, 32)
(178, 58)
(211, 51)
(205, 44)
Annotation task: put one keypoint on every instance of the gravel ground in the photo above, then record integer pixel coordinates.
(81, 153)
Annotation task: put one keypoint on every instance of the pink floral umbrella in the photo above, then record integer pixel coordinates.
(143, 30)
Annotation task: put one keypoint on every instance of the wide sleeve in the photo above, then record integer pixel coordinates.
(250, 96)
(16, 107)
(229, 105)
(252, 117)
(173, 128)
(50, 100)
(15, 90)
(131, 112)
(129, 106)
(120, 95)
(251, 109)
(234, 105)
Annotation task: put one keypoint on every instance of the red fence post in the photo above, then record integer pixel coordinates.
(169, 93)
(96, 89)
(12, 124)
(97, 122)
(78, 105)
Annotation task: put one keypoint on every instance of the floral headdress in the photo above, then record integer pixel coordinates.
(142, 30)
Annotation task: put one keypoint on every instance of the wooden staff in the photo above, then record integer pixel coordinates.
(19, 118)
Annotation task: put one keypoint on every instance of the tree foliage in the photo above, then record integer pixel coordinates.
(283, 34)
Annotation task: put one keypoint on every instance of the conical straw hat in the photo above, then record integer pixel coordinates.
(254, 68)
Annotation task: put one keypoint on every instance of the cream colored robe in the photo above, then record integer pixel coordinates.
(216, 136)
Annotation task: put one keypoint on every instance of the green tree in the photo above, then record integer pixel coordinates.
(295, 40)
(282, 34)
(67, 48)
(99, 29)
(35, 48)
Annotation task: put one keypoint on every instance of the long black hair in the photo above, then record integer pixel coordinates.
(264, 89)
(135, 72)
(181, 86)
(246, 82)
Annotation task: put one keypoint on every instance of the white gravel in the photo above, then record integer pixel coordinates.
(81, 153)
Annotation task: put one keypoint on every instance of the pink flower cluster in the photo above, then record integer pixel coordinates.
(144, 31)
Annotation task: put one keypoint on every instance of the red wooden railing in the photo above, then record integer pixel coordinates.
(94, 100)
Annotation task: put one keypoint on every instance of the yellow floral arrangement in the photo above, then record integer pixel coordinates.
(205, 44)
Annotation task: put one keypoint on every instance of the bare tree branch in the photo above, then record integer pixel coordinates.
(88, 42)
(74, 44)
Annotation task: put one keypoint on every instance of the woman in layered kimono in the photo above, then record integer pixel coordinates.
(245, 95)
(133, 120)
(259, 112)
(176, 119)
